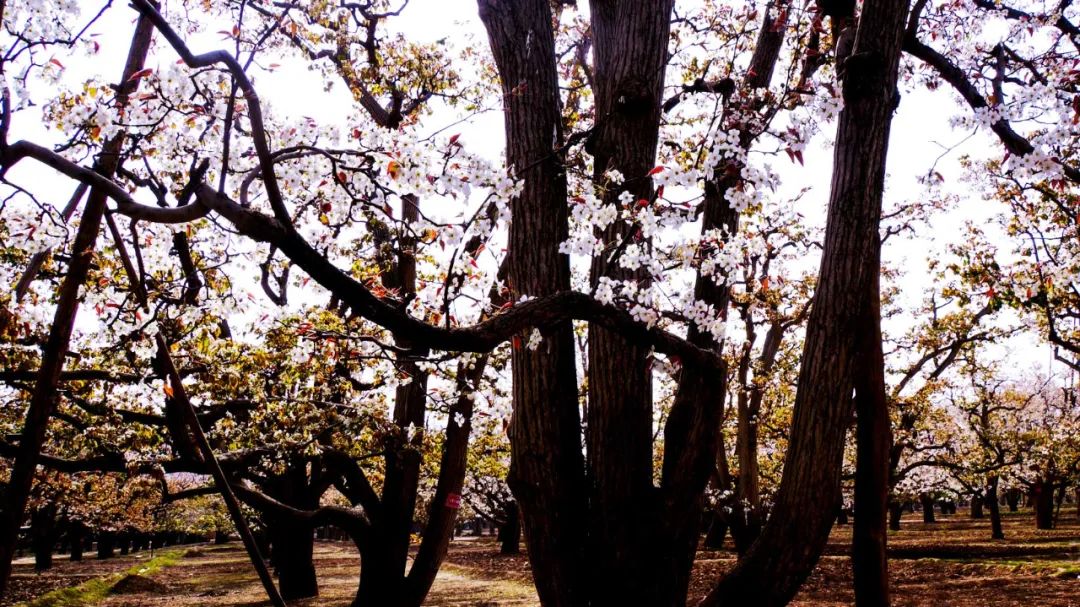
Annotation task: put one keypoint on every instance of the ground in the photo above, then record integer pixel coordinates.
(950, 563)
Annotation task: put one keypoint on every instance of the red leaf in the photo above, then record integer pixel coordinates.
(57, 63)
(454, 138)
(141, 74)
(656, 170)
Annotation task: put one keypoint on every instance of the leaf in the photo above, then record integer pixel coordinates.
(56, 62)
(454, 138)
(141, 74)
(168, 390)
(656, 170)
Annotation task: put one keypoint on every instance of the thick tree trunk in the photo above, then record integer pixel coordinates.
(798, 528)
(1042, 494)
(76, 537)
(547, 466)
(44, 399)
(106, 544)
(291, 551)
(977, 506)
(717, 530)
(510, 530)
(927, 503)
(43, 536)
(996, 531)
(292, 544)
(873, 440)
(896, 511)
(630, 40)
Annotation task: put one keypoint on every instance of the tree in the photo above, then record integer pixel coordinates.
(650, 134)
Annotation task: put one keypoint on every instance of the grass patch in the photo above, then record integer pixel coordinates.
(93, 591)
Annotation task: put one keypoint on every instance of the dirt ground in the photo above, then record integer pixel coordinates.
(950, 563)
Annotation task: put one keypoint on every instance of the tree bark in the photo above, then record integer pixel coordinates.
(977, 506)
(291, 552)
(874, 441)
(630, 40)
(1043, 496)
(896, 511)
(76, 537)
(798, 528)
(44, 399)
(996, 531)
(43, 536)
(547, 467)
(106, 544)
(927, 503)
(510, 530)
(717, 530)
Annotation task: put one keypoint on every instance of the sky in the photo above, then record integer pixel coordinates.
(921, 137)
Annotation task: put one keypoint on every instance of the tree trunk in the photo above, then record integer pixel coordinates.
(873, 441)
(44, 399)
(977, 506)
(630, 40)
(546, 464)
(927, 503)
(1012, 498)
(106, 544)
(510, 530)
(43, 536)
(221, 537)
(76, 537)
(718, 528)
(996, 531)
(291, 548)
(896, 511)
(798, 528)
(1043, 496)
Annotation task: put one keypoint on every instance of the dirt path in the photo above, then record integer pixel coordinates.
(950, 564)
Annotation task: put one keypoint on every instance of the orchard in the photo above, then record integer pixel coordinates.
(691, 301)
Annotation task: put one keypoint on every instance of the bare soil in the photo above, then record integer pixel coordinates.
(949, 563)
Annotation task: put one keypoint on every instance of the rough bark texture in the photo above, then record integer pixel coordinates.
(795, 535)
(547, 467)
(630, 41)
(44, 399)
(874, 440)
